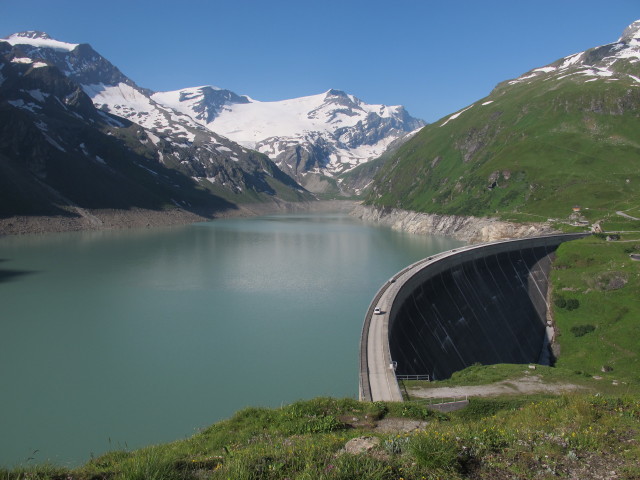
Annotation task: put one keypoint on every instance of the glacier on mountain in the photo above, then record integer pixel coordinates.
(40, 40)
(322, 135)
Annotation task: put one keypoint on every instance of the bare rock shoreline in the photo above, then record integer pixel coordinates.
(85, 219)
(469, 229)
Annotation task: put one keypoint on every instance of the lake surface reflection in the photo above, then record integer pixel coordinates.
(119, 339)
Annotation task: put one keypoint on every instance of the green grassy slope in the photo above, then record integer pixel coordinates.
(569, 436)
(542, 146)
(601, 335)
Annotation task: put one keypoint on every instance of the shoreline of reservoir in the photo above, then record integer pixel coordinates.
(82, 219)
(465, 228)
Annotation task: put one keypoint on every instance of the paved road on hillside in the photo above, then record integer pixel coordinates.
(622, 214)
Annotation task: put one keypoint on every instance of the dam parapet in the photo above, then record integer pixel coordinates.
(483, 304)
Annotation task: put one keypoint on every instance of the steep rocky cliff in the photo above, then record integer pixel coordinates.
(470, 229)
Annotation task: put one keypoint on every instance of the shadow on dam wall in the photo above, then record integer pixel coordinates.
(487, 310)
(485, 305)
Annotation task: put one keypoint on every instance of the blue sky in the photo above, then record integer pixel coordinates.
(433, 57)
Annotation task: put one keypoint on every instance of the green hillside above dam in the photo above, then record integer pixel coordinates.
(558, 136)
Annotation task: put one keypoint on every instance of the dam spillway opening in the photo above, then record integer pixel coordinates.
(490, 309)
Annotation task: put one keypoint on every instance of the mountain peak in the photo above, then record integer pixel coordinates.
(338, 97)
(336, 93)
(594, 63)
(207, 87)
(38, 39)
(632, 32)
(32, 34)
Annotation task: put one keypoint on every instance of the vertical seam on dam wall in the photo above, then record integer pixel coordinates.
(494, 293)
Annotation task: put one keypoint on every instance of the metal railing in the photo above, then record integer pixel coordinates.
(413, 377)
(439, 401)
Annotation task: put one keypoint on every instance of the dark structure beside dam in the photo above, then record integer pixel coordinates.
(478, 304)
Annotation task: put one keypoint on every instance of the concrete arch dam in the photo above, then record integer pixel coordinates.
(483, 303)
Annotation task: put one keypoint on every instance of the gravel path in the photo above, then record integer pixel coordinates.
(524, 385)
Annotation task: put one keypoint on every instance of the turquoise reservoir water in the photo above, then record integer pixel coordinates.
(120, 339)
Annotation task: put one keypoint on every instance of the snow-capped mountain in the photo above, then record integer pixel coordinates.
(603, 62)
(76, 60)
(312, 139)
(59, 155)
(181, 143)
(309, 137)
(613, 62)
(109, 89)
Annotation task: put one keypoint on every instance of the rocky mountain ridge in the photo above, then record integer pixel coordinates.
(59, 154)
(607, 62)
(314, 139)
(218, 164)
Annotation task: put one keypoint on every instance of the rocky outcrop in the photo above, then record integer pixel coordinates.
(469, 229)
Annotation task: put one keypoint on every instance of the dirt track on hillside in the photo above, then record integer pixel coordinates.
(525, 385)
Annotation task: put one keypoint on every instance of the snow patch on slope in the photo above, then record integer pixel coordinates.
(19, 103)
(24, 60)
(456, 115)
(38, 95)
(130, 103)
(627, 48)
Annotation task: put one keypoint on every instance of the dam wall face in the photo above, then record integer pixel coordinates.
(478, 304)
(491, 309)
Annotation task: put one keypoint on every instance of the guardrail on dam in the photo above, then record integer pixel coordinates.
(483, 303)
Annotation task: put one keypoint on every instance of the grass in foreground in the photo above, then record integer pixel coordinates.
(579, 435)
